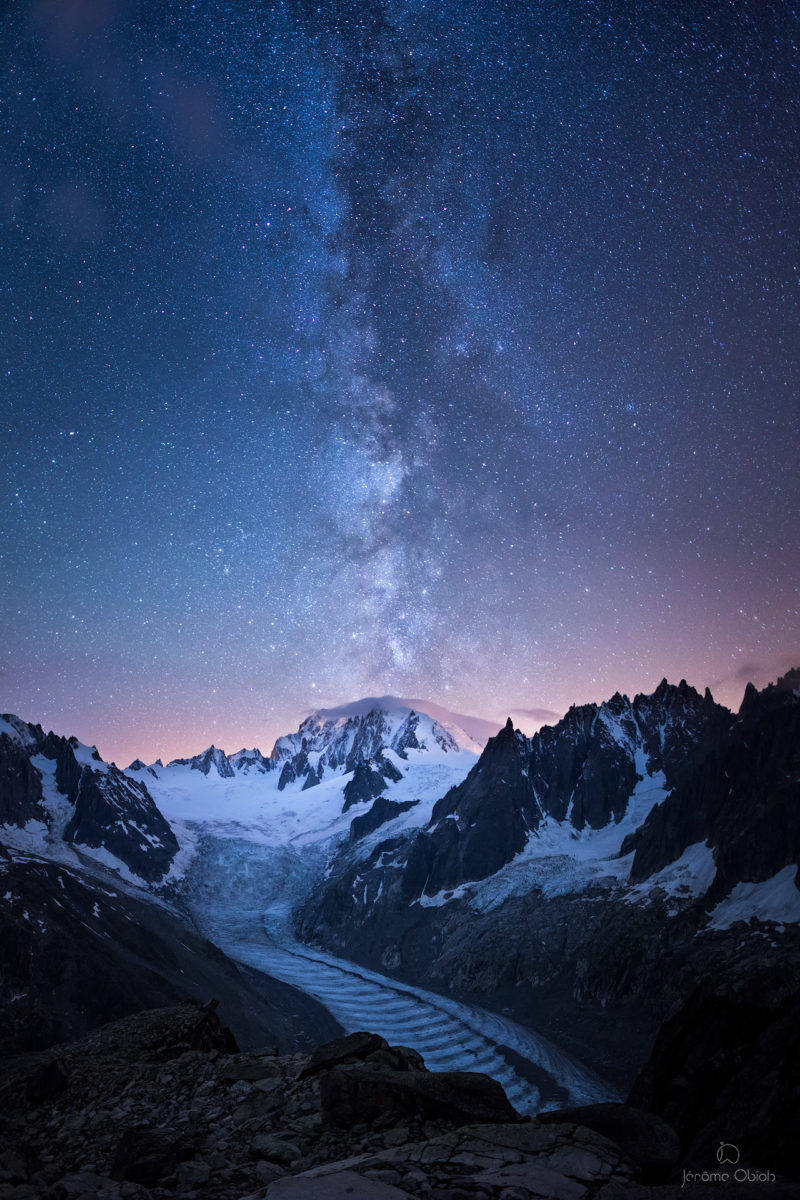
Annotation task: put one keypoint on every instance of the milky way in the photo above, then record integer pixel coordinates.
(434, 349)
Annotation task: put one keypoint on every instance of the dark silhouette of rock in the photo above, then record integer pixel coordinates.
(383, 810)
(20, 786)
(46, 1082)
(355, 1093)
(355, 1047)
(742, 797)
(369, 780)
(147, 1155)
(293, 768)
(313, 777)
(210, 1034)
(647, 1139)
(723, 1070)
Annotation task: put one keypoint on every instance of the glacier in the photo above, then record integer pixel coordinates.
(241, 893)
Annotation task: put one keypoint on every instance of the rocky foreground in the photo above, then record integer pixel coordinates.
(162, 1104)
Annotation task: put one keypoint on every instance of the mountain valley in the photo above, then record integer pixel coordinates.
(533, 908)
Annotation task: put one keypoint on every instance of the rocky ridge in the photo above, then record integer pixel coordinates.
(227, 766)
(581, 771)
(81, 800)
(742, 797)
(163, 1104)
(580, 940)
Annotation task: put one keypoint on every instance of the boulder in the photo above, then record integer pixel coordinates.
(334, 1187)
(274, 1149)
(46, 1081)
(647, 1139)
(350, 1094)
(353, 1048)
(250, 1068)
(210, 1034)
(147, 1155)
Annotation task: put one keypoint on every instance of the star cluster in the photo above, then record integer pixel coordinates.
(433, 349)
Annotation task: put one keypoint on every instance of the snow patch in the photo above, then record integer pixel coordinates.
(17, 730)
(561, 860)
(689, 876)
(776, 899)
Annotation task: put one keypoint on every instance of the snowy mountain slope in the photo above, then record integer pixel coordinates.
(567, 782)
(605, 860)
(354, 755)
(253, 806)
(58, 798)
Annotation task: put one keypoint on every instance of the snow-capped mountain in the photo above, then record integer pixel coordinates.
(226, 765)
(58, 798)
(568, 795)
(609, 858)
(582, 772)
(350, 756)
(340, 739)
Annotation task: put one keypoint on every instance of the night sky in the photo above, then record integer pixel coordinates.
(441, 349)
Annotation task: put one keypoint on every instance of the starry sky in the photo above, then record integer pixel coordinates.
(444, 349)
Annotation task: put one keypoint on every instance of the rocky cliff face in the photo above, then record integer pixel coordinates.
(79, 799)
(743, 797)
(21, 797)
(504, 897)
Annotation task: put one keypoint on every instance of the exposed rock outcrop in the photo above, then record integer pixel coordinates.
(725, 1070)
(382, 811)
(368, 781)
(743, 797)
(141, 1115)
(107, 810)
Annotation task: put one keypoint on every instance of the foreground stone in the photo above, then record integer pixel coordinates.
(350, 1094)
(343, 1185)
(516, 1162)
(647, 1139)
(143, 1117)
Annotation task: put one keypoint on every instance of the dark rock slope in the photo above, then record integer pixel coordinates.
(145, 1109)
(743, 797)
(600, 959)
(726, 1071)
(105, 809)
(76, 952)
